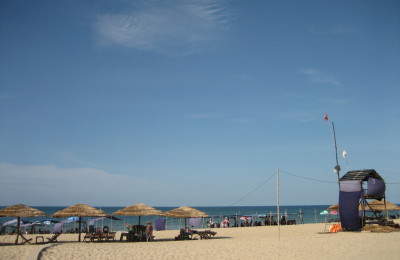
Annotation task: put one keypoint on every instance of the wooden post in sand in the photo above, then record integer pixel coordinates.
(277, 206)
(18, 229)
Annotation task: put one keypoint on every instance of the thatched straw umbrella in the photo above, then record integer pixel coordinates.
(334, 207)
(139, 210)
(20, 210)
(185, 212)
(79, 210)
(377, 205)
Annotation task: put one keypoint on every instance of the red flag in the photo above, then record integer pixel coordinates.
(326, 117)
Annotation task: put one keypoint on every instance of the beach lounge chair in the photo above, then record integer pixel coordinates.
(206, 234)
(88, 236)
(150, 238)
(110, 236)
(53, 239)
(124, 235)
(183, 235)
(25, 240)
(98, 236)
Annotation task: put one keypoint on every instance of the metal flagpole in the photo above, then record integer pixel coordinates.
(337, 167)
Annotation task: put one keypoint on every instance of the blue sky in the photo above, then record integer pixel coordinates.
(196, 102)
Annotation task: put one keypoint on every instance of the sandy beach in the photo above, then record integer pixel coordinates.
(307, 241)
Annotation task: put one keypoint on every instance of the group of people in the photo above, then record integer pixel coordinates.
(269, 221)
(138, 231)
(247, 222)
(225, 223)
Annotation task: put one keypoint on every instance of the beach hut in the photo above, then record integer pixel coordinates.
(79, 210)
(353, 193)
(19, 211)
(185, 212)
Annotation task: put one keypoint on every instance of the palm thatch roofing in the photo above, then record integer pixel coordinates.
(22, 211)
(185, 212)
(79, 210)
(377, 205)
(138, 209)
(334, 207)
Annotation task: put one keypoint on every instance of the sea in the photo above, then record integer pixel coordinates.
(304, 214)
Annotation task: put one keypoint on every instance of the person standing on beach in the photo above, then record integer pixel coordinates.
(149, 231)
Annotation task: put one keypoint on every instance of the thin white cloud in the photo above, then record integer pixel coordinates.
(337, 101)
(161, 27)
(245, 77)
(70, 157)
(307, 119)
(342, 29)
(205, 116)
(318, 77)
(241, 120)
(299, 115)
(332, 29)
(221, 117)
(51, 185)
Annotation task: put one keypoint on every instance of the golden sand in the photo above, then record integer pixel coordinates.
(307, 241)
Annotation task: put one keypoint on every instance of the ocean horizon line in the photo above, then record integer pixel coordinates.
(107, 206)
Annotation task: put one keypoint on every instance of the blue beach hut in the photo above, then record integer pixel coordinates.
(356, 188)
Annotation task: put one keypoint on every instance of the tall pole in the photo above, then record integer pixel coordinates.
(277, 205)
(18, 229)
(337, 167)
(80, 223)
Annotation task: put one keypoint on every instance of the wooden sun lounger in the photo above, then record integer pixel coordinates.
(98, 236)
(206, 234)
(88, 236)
(110, 236)
(25, 240)
(185, 236)
(53, 239)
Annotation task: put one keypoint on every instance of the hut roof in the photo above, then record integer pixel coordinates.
(361, 175)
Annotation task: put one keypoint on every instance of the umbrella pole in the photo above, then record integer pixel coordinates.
(18, 229)
(80, 221)
(139, 220)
